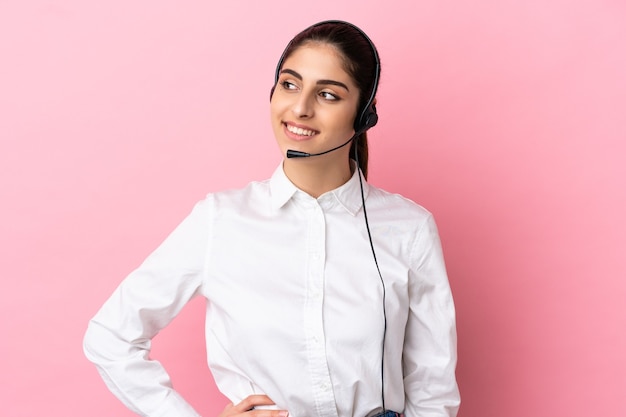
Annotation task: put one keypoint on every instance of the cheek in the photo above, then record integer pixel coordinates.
(348, 114)
(276, 119)
(345, 120)
(277, 109)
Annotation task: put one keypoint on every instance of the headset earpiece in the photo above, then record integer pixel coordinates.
(368, 119)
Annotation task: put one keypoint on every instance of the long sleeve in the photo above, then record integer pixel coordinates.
(118, 338)
(429, 353)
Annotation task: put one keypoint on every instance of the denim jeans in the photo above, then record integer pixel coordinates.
(388, 413)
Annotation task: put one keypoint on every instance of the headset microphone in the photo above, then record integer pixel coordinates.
(369, 122)
(298, 154)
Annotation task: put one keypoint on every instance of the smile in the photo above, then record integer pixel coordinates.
(300, 131)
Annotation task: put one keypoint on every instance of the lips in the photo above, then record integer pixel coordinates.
(299, 132)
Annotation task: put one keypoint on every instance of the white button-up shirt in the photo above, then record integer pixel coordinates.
(294, 305)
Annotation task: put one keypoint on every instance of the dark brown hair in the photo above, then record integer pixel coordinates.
(360, 60)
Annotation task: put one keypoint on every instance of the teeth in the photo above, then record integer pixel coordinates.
(300, 131)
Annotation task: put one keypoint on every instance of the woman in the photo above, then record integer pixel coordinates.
(310, 312)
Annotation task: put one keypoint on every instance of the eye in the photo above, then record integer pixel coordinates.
(288, 85)
(329, 96)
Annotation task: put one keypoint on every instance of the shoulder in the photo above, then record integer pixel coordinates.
(396, 205)
(252, 194)
(408, 224)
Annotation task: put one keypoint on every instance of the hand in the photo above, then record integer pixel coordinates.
(246, 408)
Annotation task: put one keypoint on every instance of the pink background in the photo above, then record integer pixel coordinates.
(505, 118)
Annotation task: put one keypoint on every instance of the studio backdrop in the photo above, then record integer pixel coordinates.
(505, 119)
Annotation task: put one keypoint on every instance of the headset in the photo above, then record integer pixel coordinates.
(367, 117)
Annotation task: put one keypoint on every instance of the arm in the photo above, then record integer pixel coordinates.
(118, 338)
(429, 355)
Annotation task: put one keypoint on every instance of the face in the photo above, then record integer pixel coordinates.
(315, 102)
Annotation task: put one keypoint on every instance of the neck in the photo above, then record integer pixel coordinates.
(318, 176)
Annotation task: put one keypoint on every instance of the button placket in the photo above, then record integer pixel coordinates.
(314, 319)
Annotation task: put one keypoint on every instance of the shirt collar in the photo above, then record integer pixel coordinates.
(347, 195)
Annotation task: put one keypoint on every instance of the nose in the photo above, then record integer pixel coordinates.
(303, 106)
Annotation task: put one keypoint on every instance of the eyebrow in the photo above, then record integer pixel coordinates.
(319, 82)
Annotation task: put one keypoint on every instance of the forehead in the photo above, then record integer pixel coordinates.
(318, 60)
